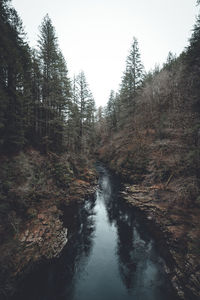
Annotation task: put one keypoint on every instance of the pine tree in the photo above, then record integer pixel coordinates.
(111, 111)
(86, 108)
(131, 81)
(14, 83)
(36, 96)
(134, 73)
(192, 60)
(47, 55)
(55, 87)
(72, 120)
(135, 67)
(194, 46)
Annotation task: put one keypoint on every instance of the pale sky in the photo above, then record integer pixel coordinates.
(95, 35)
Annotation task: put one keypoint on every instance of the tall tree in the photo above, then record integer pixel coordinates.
(36, 96)
(133, 75)
(86, 107)
(48, 55)
(131, 82)
(111, 111)
(14, 82)
(55, 87)
(192, 60)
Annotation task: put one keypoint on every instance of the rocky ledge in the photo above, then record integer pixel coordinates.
(177, 231)
(43, 235)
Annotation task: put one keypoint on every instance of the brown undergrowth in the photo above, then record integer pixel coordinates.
(160, 175)
(33, 188)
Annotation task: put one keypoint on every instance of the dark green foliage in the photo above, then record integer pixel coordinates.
(55, 89)
(14, 67)
(121, 107)
(112, 111)
(82, 114)
(132, 78)
(36, 102)
(192, 61)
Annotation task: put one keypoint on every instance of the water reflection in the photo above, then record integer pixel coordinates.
(127, 265)
(76, 254)
(56, 280)
(119, 215)
(140, 267)
(109, 256)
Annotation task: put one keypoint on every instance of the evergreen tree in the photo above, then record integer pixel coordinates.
(133, 75)
(86, 108)
(194, 47)
(73, 117)
(14, 82)
(37, 105)
(111, 111)
(55, 87)
(48, 56)
(135, 67)
(171, 59)
(131, 83)
(192, 60)
(36, 96)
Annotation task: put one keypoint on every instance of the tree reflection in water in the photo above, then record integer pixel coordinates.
(124, 222)
(56, 280)
(123, 219)
(135, 248)
(123, 263)
(80, 243)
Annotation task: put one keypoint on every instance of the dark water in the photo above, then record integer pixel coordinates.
(109, 256)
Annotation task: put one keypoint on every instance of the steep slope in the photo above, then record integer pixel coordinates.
(154, 145)
(34, 189)
(159, 180)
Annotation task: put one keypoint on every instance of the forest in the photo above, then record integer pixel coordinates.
(51, 133)
(42, 107)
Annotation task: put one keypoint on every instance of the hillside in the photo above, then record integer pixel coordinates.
(150, 136)
(158, 180)
(35, 189)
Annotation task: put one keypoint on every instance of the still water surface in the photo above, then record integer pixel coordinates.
(110, 255)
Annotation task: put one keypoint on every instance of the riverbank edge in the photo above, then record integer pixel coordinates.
(42, 235)
(38, 245)
(181, 267)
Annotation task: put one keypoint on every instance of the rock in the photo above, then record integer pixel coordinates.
(174, 227)
(43, 235)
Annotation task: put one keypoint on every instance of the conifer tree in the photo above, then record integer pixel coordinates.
(133, 75)
(131, 82)
(55, 87)
(14, 84)
(111, 111)
(86, 107)
(192, 60)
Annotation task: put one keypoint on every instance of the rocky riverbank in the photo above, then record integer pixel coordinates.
(161, 176)
(176, 230)
(35, 230)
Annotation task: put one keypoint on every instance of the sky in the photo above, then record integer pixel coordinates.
(95, 35)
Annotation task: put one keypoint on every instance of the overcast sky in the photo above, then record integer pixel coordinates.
(95, 35)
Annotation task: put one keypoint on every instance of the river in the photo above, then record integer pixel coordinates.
(109, 256)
